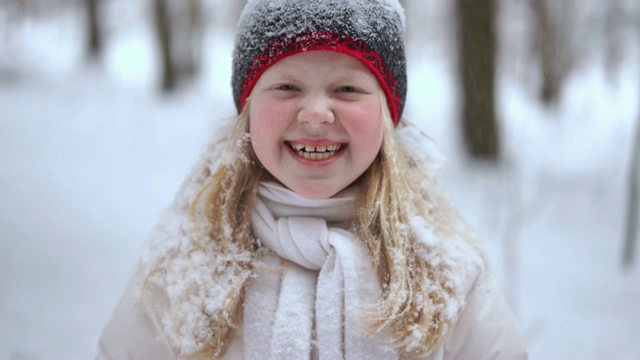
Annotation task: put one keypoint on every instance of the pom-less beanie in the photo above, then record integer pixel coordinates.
(371, 31)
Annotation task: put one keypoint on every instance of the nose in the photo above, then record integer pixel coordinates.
(316, 110)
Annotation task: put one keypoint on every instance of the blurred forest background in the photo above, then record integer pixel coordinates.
(532, 105)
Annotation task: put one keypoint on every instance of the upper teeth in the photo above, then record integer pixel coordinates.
(309, 152)
(309, 148)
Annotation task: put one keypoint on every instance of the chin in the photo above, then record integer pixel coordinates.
(315, 192)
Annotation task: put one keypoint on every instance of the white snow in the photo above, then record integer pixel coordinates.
(89, 157)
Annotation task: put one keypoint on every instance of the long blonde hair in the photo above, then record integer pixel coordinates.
(396, 190)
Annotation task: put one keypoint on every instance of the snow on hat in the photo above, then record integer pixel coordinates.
(371, 31)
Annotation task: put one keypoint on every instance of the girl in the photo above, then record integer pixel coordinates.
(310, 231)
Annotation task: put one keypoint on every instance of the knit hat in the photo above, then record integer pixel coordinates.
(371, 31)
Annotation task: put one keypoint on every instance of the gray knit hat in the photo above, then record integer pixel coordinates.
(371, 31)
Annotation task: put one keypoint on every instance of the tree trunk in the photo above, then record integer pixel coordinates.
(193, 37)
(94, 29)
(477, 47)
(163, 31)
(550, 45)
(614, 38)
(632, 206)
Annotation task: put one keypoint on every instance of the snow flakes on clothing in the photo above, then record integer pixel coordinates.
(196, 281)
(368, 26)
(359, 11)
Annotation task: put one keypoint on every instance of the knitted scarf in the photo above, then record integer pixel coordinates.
(311, 303)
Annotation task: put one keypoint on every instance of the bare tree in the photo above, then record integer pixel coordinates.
(477, 62)
(94, 30)
(179, 31)
(632, 206)
(551, 43)
(163, 31)
(613, 29)
(187, 33)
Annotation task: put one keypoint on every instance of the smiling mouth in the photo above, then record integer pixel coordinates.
(310, 152)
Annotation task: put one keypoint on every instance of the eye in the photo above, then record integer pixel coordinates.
(285, 87)
(348, 89)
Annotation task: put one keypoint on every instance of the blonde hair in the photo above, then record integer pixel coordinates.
(396, 189)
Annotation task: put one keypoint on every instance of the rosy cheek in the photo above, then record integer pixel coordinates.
(264, 128)
(365, 121)
(265, 116)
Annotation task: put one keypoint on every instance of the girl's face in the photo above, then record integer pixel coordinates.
(316, 121)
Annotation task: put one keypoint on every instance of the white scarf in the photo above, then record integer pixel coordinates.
(283, 308)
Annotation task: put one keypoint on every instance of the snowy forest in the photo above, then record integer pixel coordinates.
(529, 110)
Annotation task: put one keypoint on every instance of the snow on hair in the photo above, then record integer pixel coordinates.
(414, 237)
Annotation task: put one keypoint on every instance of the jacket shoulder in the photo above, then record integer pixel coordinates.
(485, 327)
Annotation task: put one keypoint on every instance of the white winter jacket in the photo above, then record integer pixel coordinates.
(484, 327)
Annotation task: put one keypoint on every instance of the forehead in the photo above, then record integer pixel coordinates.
(321, 62)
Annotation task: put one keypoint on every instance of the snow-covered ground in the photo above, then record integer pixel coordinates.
(89, 157)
